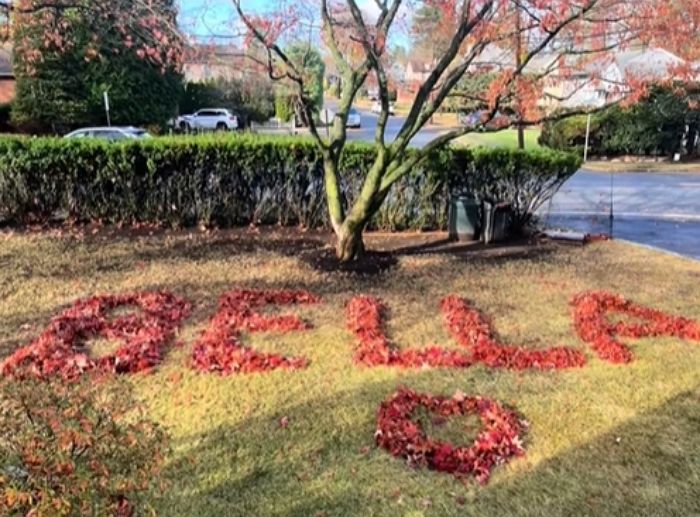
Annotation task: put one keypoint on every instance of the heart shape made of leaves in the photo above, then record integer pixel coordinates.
(401, 436)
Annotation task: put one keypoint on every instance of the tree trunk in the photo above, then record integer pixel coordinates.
(350, 245)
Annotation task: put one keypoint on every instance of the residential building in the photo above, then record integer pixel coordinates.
(204, 63)
(601, 83)
(7, 76)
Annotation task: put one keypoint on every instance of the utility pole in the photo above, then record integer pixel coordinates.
(518, 62)
(105, 98)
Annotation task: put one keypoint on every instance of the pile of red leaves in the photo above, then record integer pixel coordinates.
(219, 348)
(403, 437)
(591, 323)
(364, 319)
(60, 350)
(471, 330)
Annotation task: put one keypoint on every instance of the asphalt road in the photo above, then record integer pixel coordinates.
(369, 126)
(655, 209)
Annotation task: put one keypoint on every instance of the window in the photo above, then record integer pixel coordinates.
(138, 133)
(109, 134)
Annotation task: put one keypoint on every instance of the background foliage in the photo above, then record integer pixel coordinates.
(654, 127)
(61, 87)
(244, 179)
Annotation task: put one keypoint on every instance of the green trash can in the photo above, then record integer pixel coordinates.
(464, 218)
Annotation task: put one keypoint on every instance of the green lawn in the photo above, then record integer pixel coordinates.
(505, 138)
(603, 440)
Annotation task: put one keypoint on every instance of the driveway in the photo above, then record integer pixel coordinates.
(656, 209)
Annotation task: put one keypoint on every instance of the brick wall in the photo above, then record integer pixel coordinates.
(7, 90)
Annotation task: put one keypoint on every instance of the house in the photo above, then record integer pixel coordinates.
(601, 83)
(7, 76)
(204, 63)
(417, 71)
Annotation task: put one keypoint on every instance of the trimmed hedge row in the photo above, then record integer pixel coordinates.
(244, 179)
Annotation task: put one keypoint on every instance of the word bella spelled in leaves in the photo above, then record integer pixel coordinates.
(145, 335)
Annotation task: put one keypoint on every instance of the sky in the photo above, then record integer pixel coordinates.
(206, 18)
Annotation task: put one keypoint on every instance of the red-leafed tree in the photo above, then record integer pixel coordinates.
(147, 27)
(681, 32)
(553, 42)
(68, 52)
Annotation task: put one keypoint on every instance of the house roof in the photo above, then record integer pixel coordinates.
(494, 56)
(647, 63)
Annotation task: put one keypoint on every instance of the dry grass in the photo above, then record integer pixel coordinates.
(665, 166)
(604, 440)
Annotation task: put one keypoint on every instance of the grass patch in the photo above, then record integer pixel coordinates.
(603, 440)
(98, 348)
(665, 166)
(506, 138)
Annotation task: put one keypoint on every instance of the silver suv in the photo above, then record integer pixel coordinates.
(210, 118)
(110, 133)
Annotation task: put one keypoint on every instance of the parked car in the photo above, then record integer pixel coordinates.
(211, 118)
(111, 133)
(377, 108)
(354, 118)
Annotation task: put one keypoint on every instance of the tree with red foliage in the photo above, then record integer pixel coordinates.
(146, 27)
(579, 35)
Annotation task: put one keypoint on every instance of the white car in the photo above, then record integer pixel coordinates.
(211, 118)
(377, 108)
(354, 119)
(110, 133)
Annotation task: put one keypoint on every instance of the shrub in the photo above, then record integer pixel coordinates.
(284, 106)
(75, 449)
(243, 179)
(570, 134)
(525, 179)
(654, 127)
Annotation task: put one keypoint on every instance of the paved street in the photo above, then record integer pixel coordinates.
(661, 210)
(369, 125)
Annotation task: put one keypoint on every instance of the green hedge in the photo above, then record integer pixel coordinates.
(244, 179)
(654, 127)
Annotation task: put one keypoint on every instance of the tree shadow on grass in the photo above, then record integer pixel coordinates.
(313, 465)
(517, 249)
(648, 466)
(321, 466)
(20, 328)
(371, 263)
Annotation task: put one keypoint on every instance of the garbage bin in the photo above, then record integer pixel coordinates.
(497, 222)
(463, 218)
